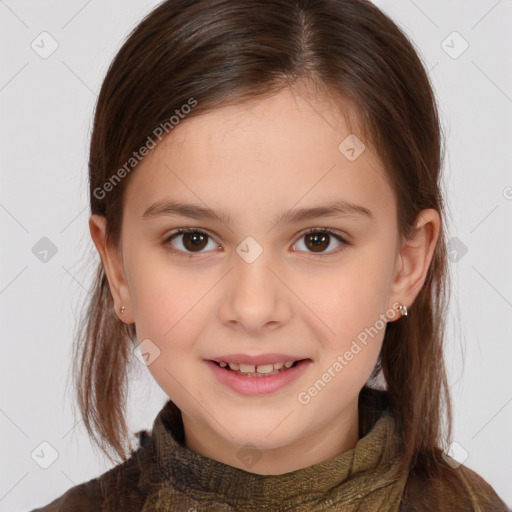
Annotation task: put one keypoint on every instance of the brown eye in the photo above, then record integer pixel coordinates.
(193, 241)
(189, 240)
(319, 240)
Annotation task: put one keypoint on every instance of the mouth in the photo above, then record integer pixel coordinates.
(261, 379)
(261, 370)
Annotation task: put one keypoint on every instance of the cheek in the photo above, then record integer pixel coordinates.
(168, 301)
(351, 293)
(170, 310)
(345, 307)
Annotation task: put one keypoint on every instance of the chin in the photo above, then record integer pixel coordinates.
(262, 438)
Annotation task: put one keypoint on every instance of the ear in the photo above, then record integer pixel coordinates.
(113, 265)
(414, 258)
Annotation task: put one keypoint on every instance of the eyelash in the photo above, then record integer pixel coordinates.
(181, 231)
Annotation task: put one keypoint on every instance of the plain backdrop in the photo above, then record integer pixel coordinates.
(47, 96)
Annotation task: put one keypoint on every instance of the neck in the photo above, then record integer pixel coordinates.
(313, 447)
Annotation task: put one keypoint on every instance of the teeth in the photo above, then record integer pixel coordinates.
(261, 369)
(264, 368)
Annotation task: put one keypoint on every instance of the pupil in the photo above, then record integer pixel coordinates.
(194, 240)
(319, 241)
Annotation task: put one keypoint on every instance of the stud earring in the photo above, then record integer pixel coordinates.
(122, 310)
(403, 309)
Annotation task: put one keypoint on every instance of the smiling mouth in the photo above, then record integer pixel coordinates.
(262, 370)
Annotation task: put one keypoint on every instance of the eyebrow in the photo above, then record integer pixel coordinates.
(193, 211)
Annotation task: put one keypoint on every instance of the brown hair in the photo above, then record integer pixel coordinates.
(221, 52)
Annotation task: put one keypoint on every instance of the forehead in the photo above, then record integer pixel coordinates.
(260, 156)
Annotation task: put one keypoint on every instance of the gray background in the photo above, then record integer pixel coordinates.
(46, 110)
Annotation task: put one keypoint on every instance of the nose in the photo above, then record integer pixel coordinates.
(255, 296)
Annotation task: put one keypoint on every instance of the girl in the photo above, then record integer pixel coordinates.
(265, 199)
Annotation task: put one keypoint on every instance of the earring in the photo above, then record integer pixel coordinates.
(122, 310)
(403, 309)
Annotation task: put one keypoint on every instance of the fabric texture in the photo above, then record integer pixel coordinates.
(164, 475)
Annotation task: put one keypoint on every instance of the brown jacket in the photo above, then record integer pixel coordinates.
(164, 475)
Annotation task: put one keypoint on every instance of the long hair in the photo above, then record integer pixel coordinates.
(220, 52)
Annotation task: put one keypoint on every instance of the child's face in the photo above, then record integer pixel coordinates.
(202, 302)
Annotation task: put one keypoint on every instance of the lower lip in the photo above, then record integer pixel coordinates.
(258, 385)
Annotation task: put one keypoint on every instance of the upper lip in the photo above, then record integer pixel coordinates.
(256, 360)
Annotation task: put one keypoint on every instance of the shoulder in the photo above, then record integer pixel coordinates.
(117, 486)
(452, 489)
(84, 497)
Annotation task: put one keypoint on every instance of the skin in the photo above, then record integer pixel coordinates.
(254, 160)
